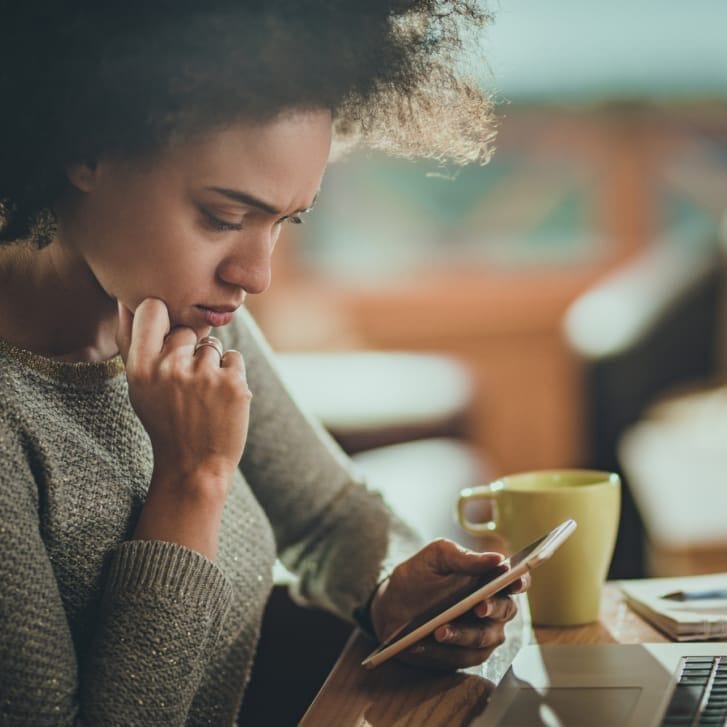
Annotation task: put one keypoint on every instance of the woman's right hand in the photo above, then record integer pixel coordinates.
(195, 408)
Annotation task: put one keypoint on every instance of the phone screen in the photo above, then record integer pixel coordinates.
(462, 592)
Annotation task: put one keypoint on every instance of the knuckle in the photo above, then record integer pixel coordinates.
(234, 353)
(243, 397)
(180, 336)
(235, 374)
(437, 548)
(492, 637)
(172, 368)
(237, 389)
(502, 608)
(139, 376)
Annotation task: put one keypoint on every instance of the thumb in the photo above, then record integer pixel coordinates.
(123, 329)
(449, 557)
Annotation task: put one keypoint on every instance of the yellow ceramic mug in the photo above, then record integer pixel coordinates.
(567, 589)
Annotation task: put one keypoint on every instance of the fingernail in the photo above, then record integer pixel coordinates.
(444, 633)
(483, 610)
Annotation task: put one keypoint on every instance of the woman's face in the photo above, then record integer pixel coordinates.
(196, 225)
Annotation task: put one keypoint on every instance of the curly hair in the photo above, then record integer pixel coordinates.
(80, 79)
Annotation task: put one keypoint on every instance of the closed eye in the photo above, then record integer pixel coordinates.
(220, 225)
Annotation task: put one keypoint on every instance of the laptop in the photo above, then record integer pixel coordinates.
(612, 685)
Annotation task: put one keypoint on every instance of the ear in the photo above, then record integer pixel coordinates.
(83, 175)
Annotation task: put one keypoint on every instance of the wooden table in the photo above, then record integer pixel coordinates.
(397, 695)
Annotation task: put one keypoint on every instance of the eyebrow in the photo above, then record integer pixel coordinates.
(250, 200)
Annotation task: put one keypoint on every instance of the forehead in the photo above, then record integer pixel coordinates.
(282, 159)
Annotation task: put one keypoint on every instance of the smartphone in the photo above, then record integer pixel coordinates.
(458, 603)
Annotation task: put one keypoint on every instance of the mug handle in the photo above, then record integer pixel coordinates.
(481, 492)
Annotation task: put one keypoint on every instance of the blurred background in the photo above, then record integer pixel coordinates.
(558, 307)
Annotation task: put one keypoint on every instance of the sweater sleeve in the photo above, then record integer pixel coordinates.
(337, 536)
(157, 624)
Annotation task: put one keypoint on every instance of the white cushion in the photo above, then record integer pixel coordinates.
(360, 390)
(675, 461)
(420, 480)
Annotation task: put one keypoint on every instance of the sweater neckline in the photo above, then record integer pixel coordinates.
(65, 371)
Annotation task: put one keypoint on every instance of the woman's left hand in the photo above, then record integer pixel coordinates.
(441, 567)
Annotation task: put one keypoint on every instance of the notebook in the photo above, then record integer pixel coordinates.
(612, 685)
(692, 608)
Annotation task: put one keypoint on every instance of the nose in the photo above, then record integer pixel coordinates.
(248, 265)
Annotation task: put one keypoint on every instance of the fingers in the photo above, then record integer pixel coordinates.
(178, 338)
(474, 633)
(450, 655)
(465, 642)
(519, 586)
(446, 658)
(486, 609)
(149, 329)
(123, 329)
(469, 637)
(499, 608)
(446, 557)
(178, 387)
(232, 359)
(208, 352)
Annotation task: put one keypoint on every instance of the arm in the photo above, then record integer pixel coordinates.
(342, 540)
(154, 632)
(179, 394)
(338, 537)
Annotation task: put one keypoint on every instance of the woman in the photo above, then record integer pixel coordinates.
(149, 158)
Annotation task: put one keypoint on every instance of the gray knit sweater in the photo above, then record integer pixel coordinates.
(97, 629)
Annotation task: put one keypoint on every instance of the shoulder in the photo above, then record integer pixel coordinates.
(17, 482)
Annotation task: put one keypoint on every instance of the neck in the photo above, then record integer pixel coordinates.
(51, 304)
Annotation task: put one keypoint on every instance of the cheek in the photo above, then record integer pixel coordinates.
(140, 261)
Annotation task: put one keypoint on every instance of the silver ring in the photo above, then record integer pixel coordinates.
(212, 342)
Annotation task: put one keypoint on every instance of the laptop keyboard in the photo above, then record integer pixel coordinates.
(700, 694)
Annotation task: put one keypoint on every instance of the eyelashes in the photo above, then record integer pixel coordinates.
(220, 225)
(223, 226)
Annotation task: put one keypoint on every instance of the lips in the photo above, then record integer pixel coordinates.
(216, 316)
(220, 308)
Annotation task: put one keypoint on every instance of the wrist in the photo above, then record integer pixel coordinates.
(186, 510)
(210, 478)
